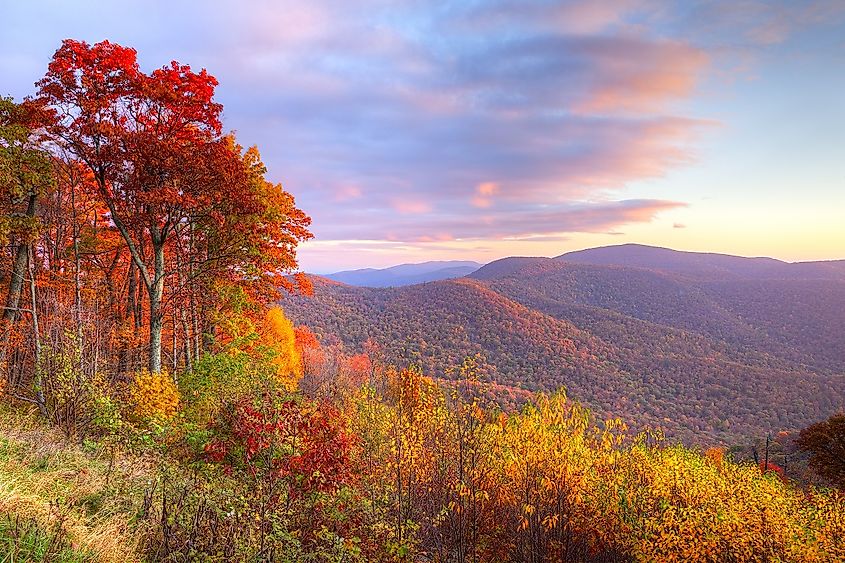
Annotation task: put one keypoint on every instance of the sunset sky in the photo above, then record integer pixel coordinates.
(416, 131)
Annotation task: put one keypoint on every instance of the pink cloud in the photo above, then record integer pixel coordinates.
(574, 16)
(410, 207)
(764, 22)
(346, 193)
(439, 237)
(637, 76)
(520, 221)
(484, 193)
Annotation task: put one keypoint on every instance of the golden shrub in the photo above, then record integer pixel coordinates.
(154, 396)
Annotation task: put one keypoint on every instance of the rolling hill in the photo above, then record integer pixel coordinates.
(406, 274)
(704, 265)
(707, 347)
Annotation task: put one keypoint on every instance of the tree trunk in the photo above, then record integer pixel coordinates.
(173, 344)
(154, 284)
(77, 284)
(156, 325)
(187, 342)
(13, 297)
(37, 382)
(132, 299)
(156, 317)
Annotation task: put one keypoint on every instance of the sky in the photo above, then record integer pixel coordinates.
(413, 131)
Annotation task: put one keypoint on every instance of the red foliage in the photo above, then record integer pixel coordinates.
(192, 206)
(305, 444)
(774, 468)
(359, 368)
(305, 339)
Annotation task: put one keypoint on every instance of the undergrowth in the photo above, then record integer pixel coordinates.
(62, 501)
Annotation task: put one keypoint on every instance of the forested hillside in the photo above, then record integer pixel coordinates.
(705, 265)
(705, 359)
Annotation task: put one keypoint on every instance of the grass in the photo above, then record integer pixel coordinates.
(61, 501)
(25, 540)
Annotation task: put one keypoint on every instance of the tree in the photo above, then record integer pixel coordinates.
(186, 201)
(278, 336)
(247, 239)
(25, 172)
(134, 131)
(825, 442)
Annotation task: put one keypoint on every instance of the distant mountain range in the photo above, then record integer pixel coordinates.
(708, 347)
(406, 274)
(704, 265)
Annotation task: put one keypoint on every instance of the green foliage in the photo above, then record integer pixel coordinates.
(216, 380)
(214, 517)
(25, 540)
(25, 170)
(78, 402)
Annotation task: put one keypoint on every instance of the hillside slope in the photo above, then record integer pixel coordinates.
(646, 346)
(797, 320)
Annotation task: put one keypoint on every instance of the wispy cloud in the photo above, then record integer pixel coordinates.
(506, 222)
(408, 121)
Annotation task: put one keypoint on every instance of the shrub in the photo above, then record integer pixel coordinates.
(154, 397)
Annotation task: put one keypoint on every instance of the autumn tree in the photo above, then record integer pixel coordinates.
(825, 442)
(246, 240)
(278, 337)
(25, 173)
(184, 198)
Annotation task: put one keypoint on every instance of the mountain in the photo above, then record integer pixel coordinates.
(710, 348)
(704, 264)
(406, 274)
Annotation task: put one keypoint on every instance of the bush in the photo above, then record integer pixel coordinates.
(154, 397)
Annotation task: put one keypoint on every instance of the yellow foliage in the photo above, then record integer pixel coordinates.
(278, 335)
(154, 396)
(550, 482)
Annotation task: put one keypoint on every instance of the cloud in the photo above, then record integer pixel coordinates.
(345, 193)
(586, 74)
(484, 193)
(409, 207)
(525, 221)
(410, 121)
(487, 189)
(758, 22)
(678, 226)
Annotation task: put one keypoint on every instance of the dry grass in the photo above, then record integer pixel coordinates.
(54, 482)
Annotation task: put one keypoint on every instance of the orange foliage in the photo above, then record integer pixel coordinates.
(278, 335)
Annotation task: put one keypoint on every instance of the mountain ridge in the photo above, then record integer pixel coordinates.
(711, 264)
(405, 274)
